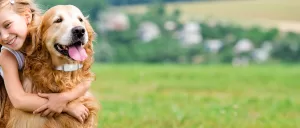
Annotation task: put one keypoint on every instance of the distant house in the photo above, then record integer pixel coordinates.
(148, 31)
(113, 21)
(262, 54)
(243, 45)
(267, 46)
(242, 51)
(170, 25)
(190, 34)
(213, 45)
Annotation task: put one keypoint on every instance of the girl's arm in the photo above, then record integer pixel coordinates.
(27, 101)
(18, 97)
(58, 101)
(78, 91)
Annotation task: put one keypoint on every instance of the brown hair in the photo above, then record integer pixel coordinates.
(20, 6)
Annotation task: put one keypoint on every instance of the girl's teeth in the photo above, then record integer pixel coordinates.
(11, 41)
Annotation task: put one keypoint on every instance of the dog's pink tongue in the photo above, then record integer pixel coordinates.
(77, 53)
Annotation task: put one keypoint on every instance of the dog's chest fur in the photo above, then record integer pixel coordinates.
(44, 78)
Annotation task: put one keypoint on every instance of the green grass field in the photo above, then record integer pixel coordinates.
(197, 96)
(284, 14)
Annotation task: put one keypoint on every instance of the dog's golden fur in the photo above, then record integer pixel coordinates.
(39, 69)
(5, 105)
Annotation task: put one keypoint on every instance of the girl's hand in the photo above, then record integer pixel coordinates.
(78, 111)
(55, 105)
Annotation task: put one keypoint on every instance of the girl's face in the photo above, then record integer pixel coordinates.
(13, 29)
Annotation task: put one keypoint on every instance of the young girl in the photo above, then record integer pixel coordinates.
(16, 18)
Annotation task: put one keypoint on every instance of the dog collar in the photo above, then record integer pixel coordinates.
(69, 67)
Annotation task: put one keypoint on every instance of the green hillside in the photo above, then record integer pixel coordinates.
(194, 96)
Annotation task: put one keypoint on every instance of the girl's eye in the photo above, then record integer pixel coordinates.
(7, 25)
(59, 20)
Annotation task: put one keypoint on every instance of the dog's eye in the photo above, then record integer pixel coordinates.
(59, 20)
(80, 19)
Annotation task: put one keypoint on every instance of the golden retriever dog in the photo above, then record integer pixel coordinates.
(62, 57)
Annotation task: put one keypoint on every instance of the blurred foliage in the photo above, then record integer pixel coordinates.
(90, 7)
(287, 48)
(126, 46)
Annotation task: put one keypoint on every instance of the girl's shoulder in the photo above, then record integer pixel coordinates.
(6, 57)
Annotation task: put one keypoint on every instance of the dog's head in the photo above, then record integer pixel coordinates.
(66, 34)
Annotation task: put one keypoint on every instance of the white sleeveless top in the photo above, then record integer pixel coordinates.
(19, 56)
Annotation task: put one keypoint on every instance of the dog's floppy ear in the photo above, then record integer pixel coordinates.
(35, 33)
(91, 36)
(89, 29)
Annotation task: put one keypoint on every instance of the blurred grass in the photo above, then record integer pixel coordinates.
(197, 96)
(284, 14)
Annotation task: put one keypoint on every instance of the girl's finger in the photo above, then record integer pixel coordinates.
(46, 112)
(87, 110)
(50, 114)
(42, 108)
(83, 117)
(44, 95)
(80, 119)
(86, 114)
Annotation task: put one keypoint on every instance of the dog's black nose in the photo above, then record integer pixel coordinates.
(78, 31)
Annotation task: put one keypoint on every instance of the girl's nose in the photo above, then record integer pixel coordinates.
(4, 35)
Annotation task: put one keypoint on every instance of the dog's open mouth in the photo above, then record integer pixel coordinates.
(74, 51)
